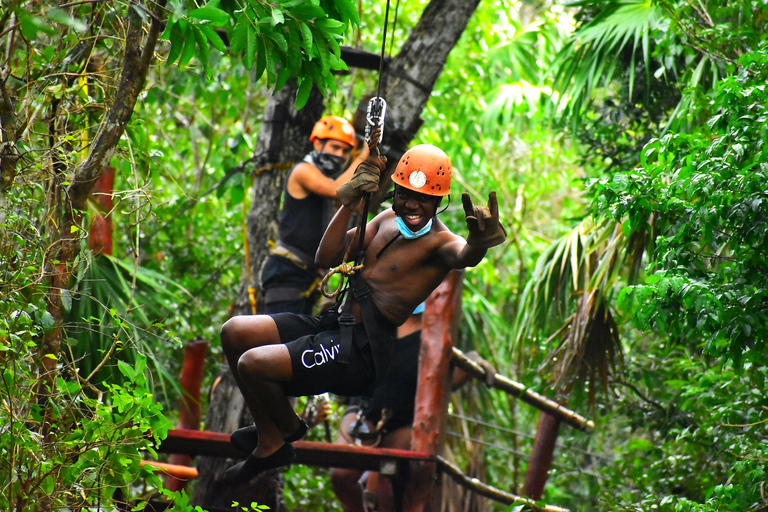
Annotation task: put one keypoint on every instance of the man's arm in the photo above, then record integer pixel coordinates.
(459, 254)
(337, 239)
(312, 181)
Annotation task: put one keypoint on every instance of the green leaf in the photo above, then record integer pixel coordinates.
(302, 95)
(277, 16)
(293, 57)
(348, 10)
(261, 59)
(66, 299)
(214, 38)
(31, 25)
(61, 16)
(239, 38)
(330, 25)
(47, 321)
(306, 36)
(278, 38)
(177, 41)
(308, 12)
(237, 194)
(217, 17)
(282, 77)
(251, 46)
(202, 45)
(126, 369)
(189, 46)
(273, 61)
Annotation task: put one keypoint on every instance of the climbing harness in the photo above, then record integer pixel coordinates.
(359, 432)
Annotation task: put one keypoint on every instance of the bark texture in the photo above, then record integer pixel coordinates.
(283, 140)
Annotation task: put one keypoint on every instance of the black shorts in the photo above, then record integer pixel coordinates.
(314, 343)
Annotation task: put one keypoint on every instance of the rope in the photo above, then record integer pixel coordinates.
(346, 270)
(383, 50)
(251, 289)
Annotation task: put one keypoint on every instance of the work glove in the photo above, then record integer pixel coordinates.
(490, 371)
(366, 177)
(485, 230)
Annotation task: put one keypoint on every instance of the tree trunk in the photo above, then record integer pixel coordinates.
(540, 461)
(284, 139)
(139, 52)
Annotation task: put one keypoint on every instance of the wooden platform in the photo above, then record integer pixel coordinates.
(216, 444)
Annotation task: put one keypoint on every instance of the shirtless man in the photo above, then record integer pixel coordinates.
(409, 251)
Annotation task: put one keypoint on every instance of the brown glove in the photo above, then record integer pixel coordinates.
(485, 230)
(366, 177)
(490, 371)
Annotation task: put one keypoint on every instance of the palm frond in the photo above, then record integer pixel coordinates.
(116, 307)
(597, 49)
(570, 293)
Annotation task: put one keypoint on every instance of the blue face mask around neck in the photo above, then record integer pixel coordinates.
(407, 233)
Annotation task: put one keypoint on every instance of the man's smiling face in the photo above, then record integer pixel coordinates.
(414, 208)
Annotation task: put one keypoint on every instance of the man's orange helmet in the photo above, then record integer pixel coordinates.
(333, 127)
(425, 169)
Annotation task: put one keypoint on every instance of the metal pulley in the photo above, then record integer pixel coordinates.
(374, 117)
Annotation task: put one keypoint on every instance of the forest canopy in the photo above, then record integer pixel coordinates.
(624, 138)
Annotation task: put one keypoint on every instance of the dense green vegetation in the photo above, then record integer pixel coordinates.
(625, 140)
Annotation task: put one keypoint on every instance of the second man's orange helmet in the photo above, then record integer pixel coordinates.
(333, 127)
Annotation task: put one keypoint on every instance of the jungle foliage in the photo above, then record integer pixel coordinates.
(625, 139)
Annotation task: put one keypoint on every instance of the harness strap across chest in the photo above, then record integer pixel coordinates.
(362, 296)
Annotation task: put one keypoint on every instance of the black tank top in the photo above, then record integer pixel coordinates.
(302, 222)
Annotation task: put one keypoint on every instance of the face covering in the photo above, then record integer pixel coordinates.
(330, 165)
(406, 231)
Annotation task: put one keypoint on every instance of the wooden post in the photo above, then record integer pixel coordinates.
(439, 329)
(542, 454)
(189, 403)
(100, 235)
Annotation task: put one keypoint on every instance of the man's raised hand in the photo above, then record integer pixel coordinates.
(366, 177)
(485, 229)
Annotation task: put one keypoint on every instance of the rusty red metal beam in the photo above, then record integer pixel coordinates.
(191, 380)
(100, 236)
(216, 444)
(439, 329)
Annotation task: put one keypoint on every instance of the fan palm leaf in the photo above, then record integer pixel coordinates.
(597, 49)
(570, 294)
(114, 302)
(519, 63)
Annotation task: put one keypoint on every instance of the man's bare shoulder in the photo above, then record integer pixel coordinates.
(386, 215)
(304, 169)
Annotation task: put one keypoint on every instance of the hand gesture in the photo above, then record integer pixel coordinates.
(485, 229)
(366, 177)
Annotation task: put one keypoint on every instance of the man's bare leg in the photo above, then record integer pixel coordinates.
(259, 362)
(271, 362)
